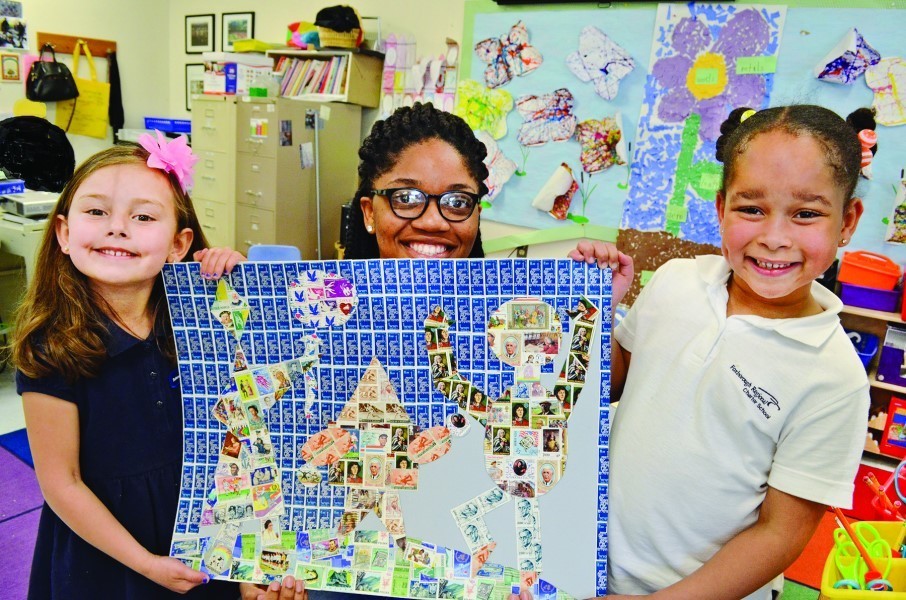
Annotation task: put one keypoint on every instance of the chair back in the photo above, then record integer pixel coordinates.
(273, 253)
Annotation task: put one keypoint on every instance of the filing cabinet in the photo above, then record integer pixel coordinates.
(276, 181)
(214, 190)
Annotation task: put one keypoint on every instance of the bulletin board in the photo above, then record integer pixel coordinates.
(274, 365)
(637, 197)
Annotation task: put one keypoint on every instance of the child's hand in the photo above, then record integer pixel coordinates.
(174, 574)
(292, 589)
(607, 255)
(217, 262)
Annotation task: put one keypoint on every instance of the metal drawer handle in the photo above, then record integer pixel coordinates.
(209, 212)
(209, 177)
(253, 193)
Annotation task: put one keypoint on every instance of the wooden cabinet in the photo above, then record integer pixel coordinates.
(352, 76)
(214, 142)
(875, 322)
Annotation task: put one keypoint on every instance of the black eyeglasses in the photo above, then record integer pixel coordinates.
(411, 203)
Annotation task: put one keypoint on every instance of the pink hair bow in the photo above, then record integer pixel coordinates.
(173, 156)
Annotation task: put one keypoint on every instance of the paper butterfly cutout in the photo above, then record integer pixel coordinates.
(483, 109)
(896, 230)
(849, 59)
(557, 193)
(601, 61)
(500, 168)
(508, 56)
(548, 118)
(888, 80)
(602, 144)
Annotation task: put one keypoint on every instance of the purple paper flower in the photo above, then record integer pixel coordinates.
(701, 76)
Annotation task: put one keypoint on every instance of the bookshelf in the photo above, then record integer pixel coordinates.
(351, 76)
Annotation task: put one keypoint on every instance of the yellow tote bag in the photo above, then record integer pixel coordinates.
(87, 114)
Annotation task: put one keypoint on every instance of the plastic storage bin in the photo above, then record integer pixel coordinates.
(869, 297)
(169, 125)
(866, 344)
(889, 530)
(890, 363)
(869, 270)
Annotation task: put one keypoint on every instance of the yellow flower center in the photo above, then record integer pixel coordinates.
(708, 76)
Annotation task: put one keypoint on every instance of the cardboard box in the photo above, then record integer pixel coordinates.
(232, 73)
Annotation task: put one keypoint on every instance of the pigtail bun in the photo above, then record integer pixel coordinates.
(733, 120)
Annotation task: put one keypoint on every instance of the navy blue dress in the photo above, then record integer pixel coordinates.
(130, 427)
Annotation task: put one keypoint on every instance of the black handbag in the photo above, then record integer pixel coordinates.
(50, 81)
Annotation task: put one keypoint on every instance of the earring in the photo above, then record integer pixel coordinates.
(66, 249)
(844, 241)
(369, 228)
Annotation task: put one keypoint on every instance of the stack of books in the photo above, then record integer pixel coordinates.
(312, 76)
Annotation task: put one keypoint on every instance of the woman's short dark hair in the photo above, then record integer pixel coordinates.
(381, 150)
(838, 139)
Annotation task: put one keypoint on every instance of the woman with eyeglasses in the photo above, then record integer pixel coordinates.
(421, 179)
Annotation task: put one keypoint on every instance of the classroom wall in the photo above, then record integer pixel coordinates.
(143, 53)
(429, 22)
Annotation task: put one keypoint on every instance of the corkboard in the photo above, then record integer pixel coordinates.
(650, 249)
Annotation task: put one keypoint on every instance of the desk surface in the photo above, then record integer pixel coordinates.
(22, 236)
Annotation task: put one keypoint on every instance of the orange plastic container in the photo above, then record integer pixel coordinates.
(868, 270)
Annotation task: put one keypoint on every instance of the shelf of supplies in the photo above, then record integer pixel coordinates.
(879, 460)
(872, 314)
(318, 98)
(351, 76)
(873, 380)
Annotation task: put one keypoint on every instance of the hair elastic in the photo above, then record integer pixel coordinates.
(746, 115)
(867, 139)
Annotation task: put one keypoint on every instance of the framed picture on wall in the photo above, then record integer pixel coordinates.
(199, 34)
(10, 67)
(236, 26)
(194, 82)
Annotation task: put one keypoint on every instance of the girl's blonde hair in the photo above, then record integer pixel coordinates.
(60, 324)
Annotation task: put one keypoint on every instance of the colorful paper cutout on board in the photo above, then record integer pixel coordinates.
(483, 109)
(500, 168)
(602, 143)
(271, 487)
(601, 61)
(847, 60)
(692, 86)
(546, 118)
(556, 196)
(887, 80)
(896, 227)
(508, 56)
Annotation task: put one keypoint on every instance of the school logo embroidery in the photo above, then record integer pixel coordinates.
(760, 397)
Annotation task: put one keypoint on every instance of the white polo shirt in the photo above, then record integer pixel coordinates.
(716, 409)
